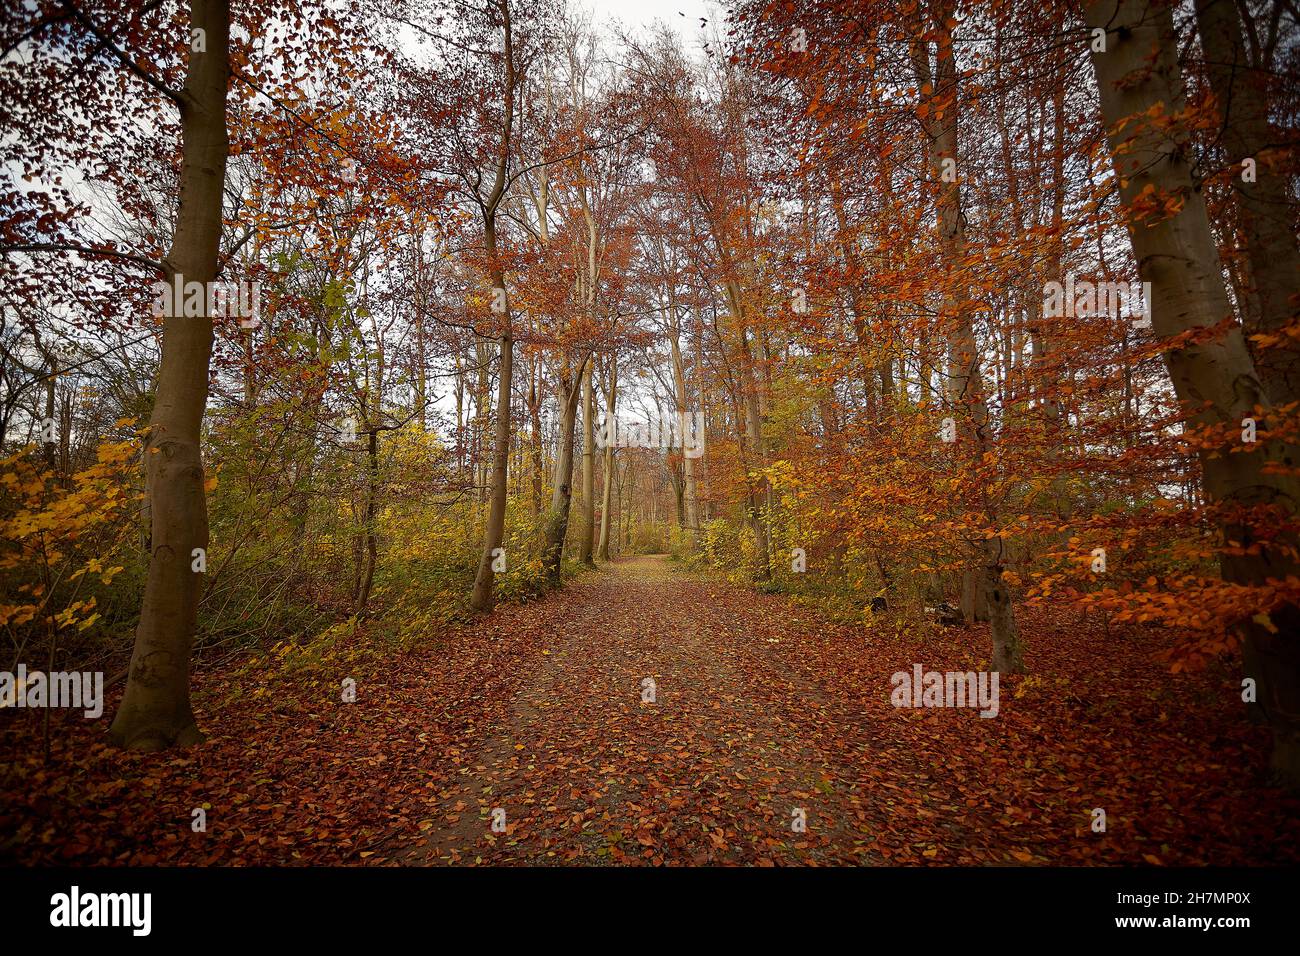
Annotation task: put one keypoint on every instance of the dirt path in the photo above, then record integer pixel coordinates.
(761, 709)
(717, 768)
(764, 714)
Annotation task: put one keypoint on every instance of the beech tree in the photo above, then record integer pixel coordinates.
(1138, 75)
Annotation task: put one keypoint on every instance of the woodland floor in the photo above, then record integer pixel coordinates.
(761, 707)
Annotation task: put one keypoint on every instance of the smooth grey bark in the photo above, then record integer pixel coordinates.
(1214, 377)
(557, 520)
(155, 712)
(689, 490)
(611, 397)
(588, 471)
(481, 598)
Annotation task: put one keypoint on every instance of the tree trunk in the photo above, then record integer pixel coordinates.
(753, 419)
(460, 417)
(1007, 651)
(535, 436)
(1214, 378)
(974, 596)
(1266, 211)
(482, 413)
(683, 411)
(557, 520)
(361, 597)
(602, 549)
(588, 473)
(625, 507)
(49, 448)
(966, 387)
(155, 712)
(494, 532)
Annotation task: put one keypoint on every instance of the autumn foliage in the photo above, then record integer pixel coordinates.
(951, 332)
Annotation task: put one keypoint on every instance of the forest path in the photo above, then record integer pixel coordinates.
(737, 739)
(762, 707)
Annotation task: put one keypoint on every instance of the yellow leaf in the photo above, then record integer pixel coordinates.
(1266, 622)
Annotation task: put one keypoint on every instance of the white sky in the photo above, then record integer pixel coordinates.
(635, 14)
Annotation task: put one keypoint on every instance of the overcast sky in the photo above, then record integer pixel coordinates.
(643, 13)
